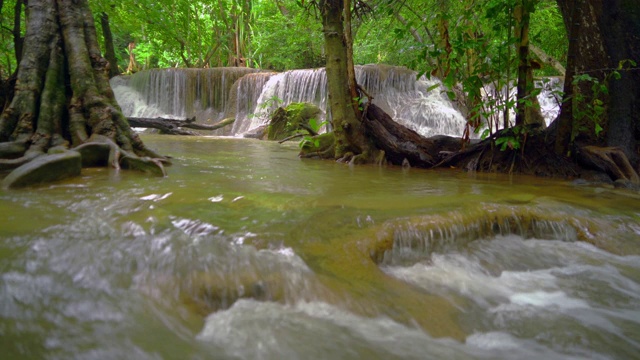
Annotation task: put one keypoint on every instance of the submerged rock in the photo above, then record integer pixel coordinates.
(43, 169)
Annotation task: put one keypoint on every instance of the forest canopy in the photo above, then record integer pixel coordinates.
(283, 34)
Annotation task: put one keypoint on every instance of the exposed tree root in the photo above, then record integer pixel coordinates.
(610, 160)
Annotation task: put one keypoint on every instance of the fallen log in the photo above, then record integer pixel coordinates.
(174, 126)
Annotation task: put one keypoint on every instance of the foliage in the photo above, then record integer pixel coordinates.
(311, 140)
(549, 34)
(590, 107)
(7, 58)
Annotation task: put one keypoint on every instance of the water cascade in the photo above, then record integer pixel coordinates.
(178, 93)
(214, 94)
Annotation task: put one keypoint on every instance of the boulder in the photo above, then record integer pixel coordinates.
(292, 119)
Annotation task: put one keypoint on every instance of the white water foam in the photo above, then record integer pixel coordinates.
(264, 330)
(542, 290)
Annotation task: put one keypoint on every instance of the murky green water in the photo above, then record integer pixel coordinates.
(247, 252)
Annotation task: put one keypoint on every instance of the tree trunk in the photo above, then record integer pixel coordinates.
(62, 97)
(18, 40)
(525, 84)
(620, 21)
(586, 55)
(110, 52)
(349, 133)
(444, 45)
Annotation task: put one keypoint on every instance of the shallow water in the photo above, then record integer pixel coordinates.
(246, 252)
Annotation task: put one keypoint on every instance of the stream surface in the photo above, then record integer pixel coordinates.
(246, 252)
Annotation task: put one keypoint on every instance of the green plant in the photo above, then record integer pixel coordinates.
(309, 140)
(513, 138)
(590, 107)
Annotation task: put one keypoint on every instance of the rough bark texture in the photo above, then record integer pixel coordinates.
(525, 83)
(601, 35)
(586, 54)
(110, 52)
(620, 21)
(403, 146)
(62, 97)
(349, 133)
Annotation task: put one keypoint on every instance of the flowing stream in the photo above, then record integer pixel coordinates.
(246, 252)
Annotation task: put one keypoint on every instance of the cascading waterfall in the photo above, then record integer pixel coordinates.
(250, 95)
(178, 93)
(243, 101)
(410, 102)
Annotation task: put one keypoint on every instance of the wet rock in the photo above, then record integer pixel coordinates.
(44, 169)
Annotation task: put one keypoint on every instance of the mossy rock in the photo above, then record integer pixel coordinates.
(44, 169)
(292, 119)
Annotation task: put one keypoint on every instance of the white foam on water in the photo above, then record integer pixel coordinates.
(548, 299)
(551, 290)
(264, 330)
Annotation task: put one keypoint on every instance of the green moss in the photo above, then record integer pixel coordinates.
(292, 119)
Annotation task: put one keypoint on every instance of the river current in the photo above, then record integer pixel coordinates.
(245, 251)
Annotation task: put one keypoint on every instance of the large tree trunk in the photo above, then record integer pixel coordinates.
(620, 21)
(601, 35)
(586, 55)
(349, 133)
(62, 97)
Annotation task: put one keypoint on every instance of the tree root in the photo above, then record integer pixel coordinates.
(610, 160)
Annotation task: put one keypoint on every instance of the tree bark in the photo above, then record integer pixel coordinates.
(349, 133)
(110, 52)
(620, 21)
(524, 86)
(62, 96)
(18, 39)
(586, 55)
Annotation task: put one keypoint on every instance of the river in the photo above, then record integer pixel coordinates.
(246, 252)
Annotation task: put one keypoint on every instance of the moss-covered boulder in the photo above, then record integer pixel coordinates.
(293, 119)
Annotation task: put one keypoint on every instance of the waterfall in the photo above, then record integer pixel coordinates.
(250, 95)
(178, 93)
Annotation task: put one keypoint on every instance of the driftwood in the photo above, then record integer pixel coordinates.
(174, 126)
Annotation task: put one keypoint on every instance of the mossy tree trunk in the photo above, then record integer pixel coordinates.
(349, 133)
(525, 83)
(109, 49)
(62, 96)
